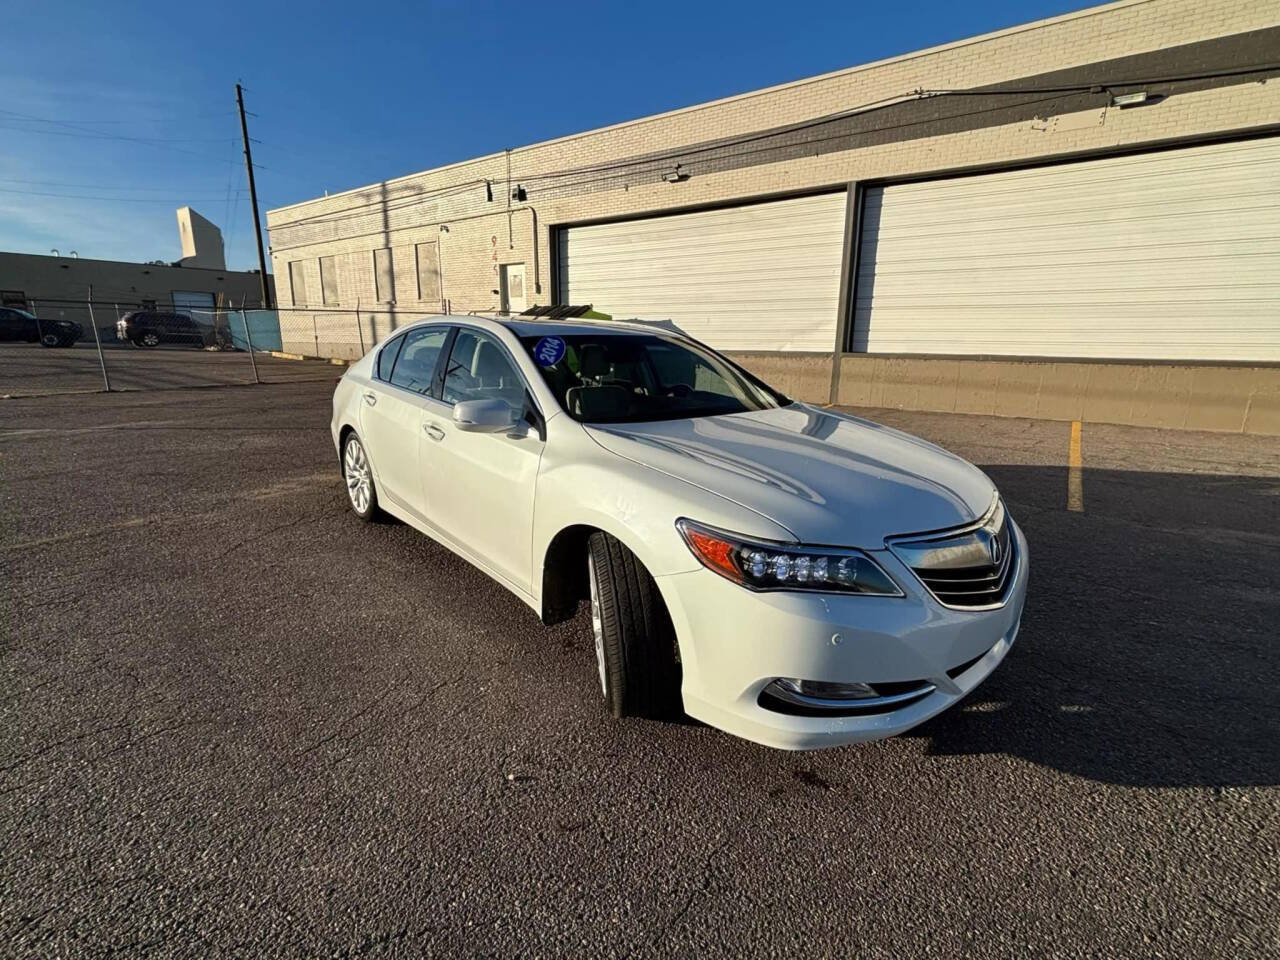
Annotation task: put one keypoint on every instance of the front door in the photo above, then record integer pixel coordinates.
(391, 414)
(480, 485)
(511, 288)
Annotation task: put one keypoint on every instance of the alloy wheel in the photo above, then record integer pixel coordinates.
(150, 340)
(355, 469)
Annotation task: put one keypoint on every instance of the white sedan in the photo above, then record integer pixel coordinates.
(798, 577)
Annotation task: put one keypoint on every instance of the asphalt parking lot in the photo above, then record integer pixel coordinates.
(28, 369)
(237, 721)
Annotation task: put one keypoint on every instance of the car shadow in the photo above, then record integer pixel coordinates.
(1148, 653)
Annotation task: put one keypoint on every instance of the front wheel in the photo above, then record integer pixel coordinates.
(50, 340)
(636, 652)
(148, 339)
(359, 478)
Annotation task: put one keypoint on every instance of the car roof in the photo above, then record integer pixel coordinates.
(538, 327)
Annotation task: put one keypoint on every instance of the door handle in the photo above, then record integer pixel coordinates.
(370, 399)
(432, 431)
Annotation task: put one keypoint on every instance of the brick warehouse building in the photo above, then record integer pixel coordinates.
(1074, 219)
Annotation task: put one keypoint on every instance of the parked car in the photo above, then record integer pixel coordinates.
(150, 328)
(789, 574)
(26, 327)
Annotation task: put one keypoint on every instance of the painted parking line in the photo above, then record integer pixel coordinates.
(1075, 476)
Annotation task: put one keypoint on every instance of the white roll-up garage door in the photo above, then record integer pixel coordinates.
(187, 300)
(1172, 255)
(760, 277)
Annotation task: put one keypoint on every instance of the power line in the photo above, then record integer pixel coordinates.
(635, 166)
(96, 135)
(91, 135)
(81, 196)
(186, 118)
(561, 178)
(83, 186)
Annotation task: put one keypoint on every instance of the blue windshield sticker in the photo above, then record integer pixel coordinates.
(548, 351)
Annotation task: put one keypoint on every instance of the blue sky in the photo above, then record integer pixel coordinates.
(114, 114)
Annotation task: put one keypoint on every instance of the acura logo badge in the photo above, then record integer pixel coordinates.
(993, 548)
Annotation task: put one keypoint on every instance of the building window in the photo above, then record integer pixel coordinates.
(297, 283)
(13, 298)
(383, 277)
(329, 281)
(148, 304)
(428, 255)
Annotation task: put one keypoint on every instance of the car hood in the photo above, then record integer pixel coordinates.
(828, 478)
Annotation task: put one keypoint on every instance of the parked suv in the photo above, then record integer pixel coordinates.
(150, 328)
(22, 326)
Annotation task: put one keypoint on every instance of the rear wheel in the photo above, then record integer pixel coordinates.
(359, 478)
(636, 652)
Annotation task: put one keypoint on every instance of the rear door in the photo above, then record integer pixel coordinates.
(391, 414)
(480, 485)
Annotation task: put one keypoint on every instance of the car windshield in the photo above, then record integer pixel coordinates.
(636, 377)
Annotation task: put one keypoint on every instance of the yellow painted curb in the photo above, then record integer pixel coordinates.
(287, 356)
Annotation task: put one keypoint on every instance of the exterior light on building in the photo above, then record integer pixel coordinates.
(676, 175)
(1129, 99)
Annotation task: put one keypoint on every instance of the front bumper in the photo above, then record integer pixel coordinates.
(734, 643)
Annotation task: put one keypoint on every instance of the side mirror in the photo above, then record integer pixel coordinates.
(484, 416)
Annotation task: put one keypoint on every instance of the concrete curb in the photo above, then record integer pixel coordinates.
(280, 355)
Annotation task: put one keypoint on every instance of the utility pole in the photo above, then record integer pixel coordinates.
(253, 201)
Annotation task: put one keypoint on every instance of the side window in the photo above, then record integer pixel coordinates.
(479, 369)
(387, 357)
(416, 365)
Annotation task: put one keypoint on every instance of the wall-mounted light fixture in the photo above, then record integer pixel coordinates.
(518, 193)
(488, 191)
(676, 175)
(1129, 99)
(444, 228)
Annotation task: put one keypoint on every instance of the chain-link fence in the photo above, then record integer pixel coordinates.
(68, 346)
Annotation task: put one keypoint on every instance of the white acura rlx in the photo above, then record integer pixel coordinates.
(794, 576)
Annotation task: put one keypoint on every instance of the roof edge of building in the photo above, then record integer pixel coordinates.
(127, 263)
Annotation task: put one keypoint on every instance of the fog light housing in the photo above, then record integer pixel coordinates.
(820, 688)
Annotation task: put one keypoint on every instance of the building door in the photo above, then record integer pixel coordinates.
(1164, 255)
(760, 276)
(511, 287)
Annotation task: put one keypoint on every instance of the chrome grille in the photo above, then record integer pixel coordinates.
(968, 568)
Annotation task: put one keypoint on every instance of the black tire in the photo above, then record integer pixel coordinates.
(51, 340)
(147, 340)
(641, 657)
(370, 511)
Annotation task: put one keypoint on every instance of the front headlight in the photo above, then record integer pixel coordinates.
(765, 565)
